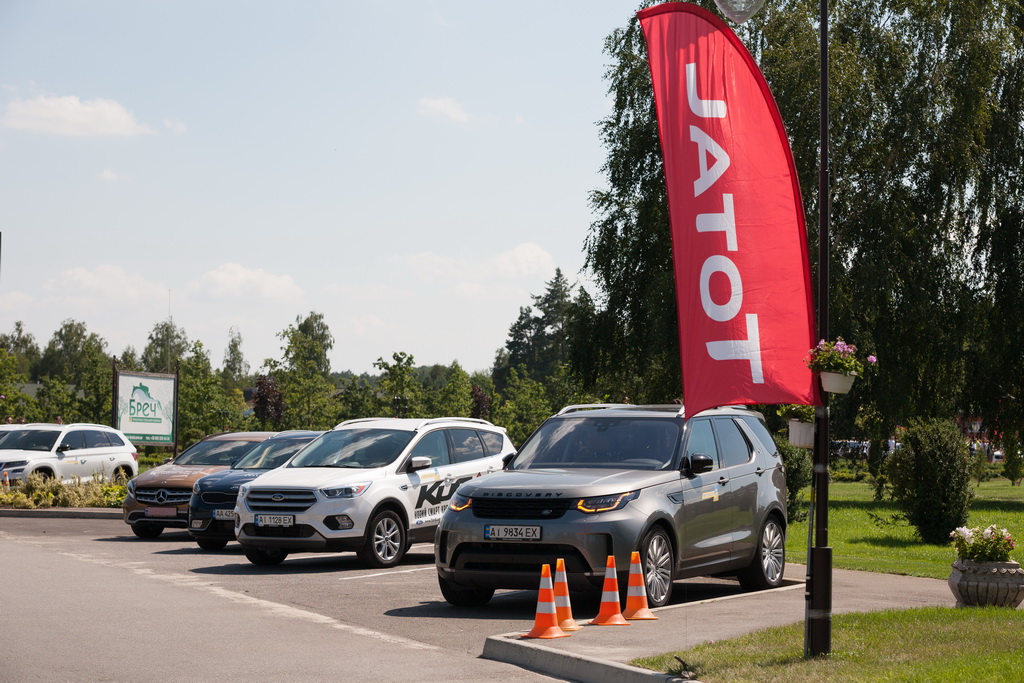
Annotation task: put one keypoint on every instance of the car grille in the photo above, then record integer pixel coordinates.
(163, 496)
(280, 500)
(219, 498)
(511, 508)
(297, 531)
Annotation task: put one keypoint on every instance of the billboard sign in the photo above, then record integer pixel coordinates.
(145, 407)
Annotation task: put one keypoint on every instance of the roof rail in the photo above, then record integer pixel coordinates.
(360, 419)
(473, 420)
(591, 406)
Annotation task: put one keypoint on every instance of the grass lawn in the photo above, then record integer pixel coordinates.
(924, 644)
(927, 644)
(860, 541)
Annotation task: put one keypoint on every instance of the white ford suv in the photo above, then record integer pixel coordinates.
(373, 486)
(66, 452)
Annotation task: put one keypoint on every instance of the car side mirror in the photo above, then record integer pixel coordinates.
(418, 462)
(698, 463)
(506, 460)
(63, 448)
(166, 460)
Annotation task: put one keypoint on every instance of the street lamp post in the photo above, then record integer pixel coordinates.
(818, 608)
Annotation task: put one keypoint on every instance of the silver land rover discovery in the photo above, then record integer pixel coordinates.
(696, 496)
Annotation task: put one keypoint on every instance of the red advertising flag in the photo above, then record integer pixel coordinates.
(743, 284)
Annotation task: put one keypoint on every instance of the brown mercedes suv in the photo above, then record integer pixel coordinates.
(158, 498)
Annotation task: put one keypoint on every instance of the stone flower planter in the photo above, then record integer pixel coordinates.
(987, 583)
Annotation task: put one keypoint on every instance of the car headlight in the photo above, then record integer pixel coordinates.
(13, 465)
(616, 501)
(459, 502)
(195, 487)
(131, 487)
(346, 491)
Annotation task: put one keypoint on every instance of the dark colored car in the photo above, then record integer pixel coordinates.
(158, 498)
(211, 510)
(695, 496)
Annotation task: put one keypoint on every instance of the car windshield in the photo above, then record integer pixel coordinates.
(357, 448)
(605, 442)
(270, 454)
(220, 452)
(28, 439)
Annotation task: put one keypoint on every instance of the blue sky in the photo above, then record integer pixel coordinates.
(412, 170)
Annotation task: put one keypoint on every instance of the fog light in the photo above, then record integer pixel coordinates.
(338, 522)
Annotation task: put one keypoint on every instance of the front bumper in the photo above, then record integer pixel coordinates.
(584, 542)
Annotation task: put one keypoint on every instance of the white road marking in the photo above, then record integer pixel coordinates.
(278, 609)
(387, 573)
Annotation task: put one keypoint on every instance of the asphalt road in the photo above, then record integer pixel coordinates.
(85, 600)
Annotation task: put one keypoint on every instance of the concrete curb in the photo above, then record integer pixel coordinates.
(65, 513)
(513, 649)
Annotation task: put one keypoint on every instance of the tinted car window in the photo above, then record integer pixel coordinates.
(492, 442)
(761, 432)
(29, 439)
(358, 448)
(735, 449)
(433, 446)
(619, 442)
(702, 440)
(215, 452)
(94, 438)
(270, 454)
(466, 445)
(73, 440)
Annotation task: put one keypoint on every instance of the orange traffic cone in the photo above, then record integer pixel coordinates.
(609, 614)
(636, 592)
(563, 610)
(546, 623)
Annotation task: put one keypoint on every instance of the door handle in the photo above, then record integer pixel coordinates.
(723, 480)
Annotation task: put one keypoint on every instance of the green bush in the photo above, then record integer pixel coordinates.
(799, 472)
(1013, 459)
(39, 492)
(930, 478)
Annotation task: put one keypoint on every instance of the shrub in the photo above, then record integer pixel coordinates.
(39, 492)
(930, 478)
(1013, 459)
(799, 472)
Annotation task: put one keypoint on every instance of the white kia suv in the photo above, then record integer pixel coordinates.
(373, 486)
(66, 452)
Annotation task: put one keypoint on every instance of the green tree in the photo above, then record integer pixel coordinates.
(56, 399)
(234, 374)
(303, 376)
(399, 388)
(167, 344)
(455, 398)
(14, 402)
(523, 407)
(22, 346)
(203, 408)
(926, 141)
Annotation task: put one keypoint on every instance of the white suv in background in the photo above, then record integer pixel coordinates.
(373, 486)
(66, 452)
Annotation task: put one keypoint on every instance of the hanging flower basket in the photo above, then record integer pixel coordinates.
(801, 433)
(837, 364)
(837, 383)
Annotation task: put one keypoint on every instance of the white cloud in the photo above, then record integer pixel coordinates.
(109, 176)
(232, 280)
(176, 127)
(69, 115)
(442, 107)
(103, 285)
(469, 273)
